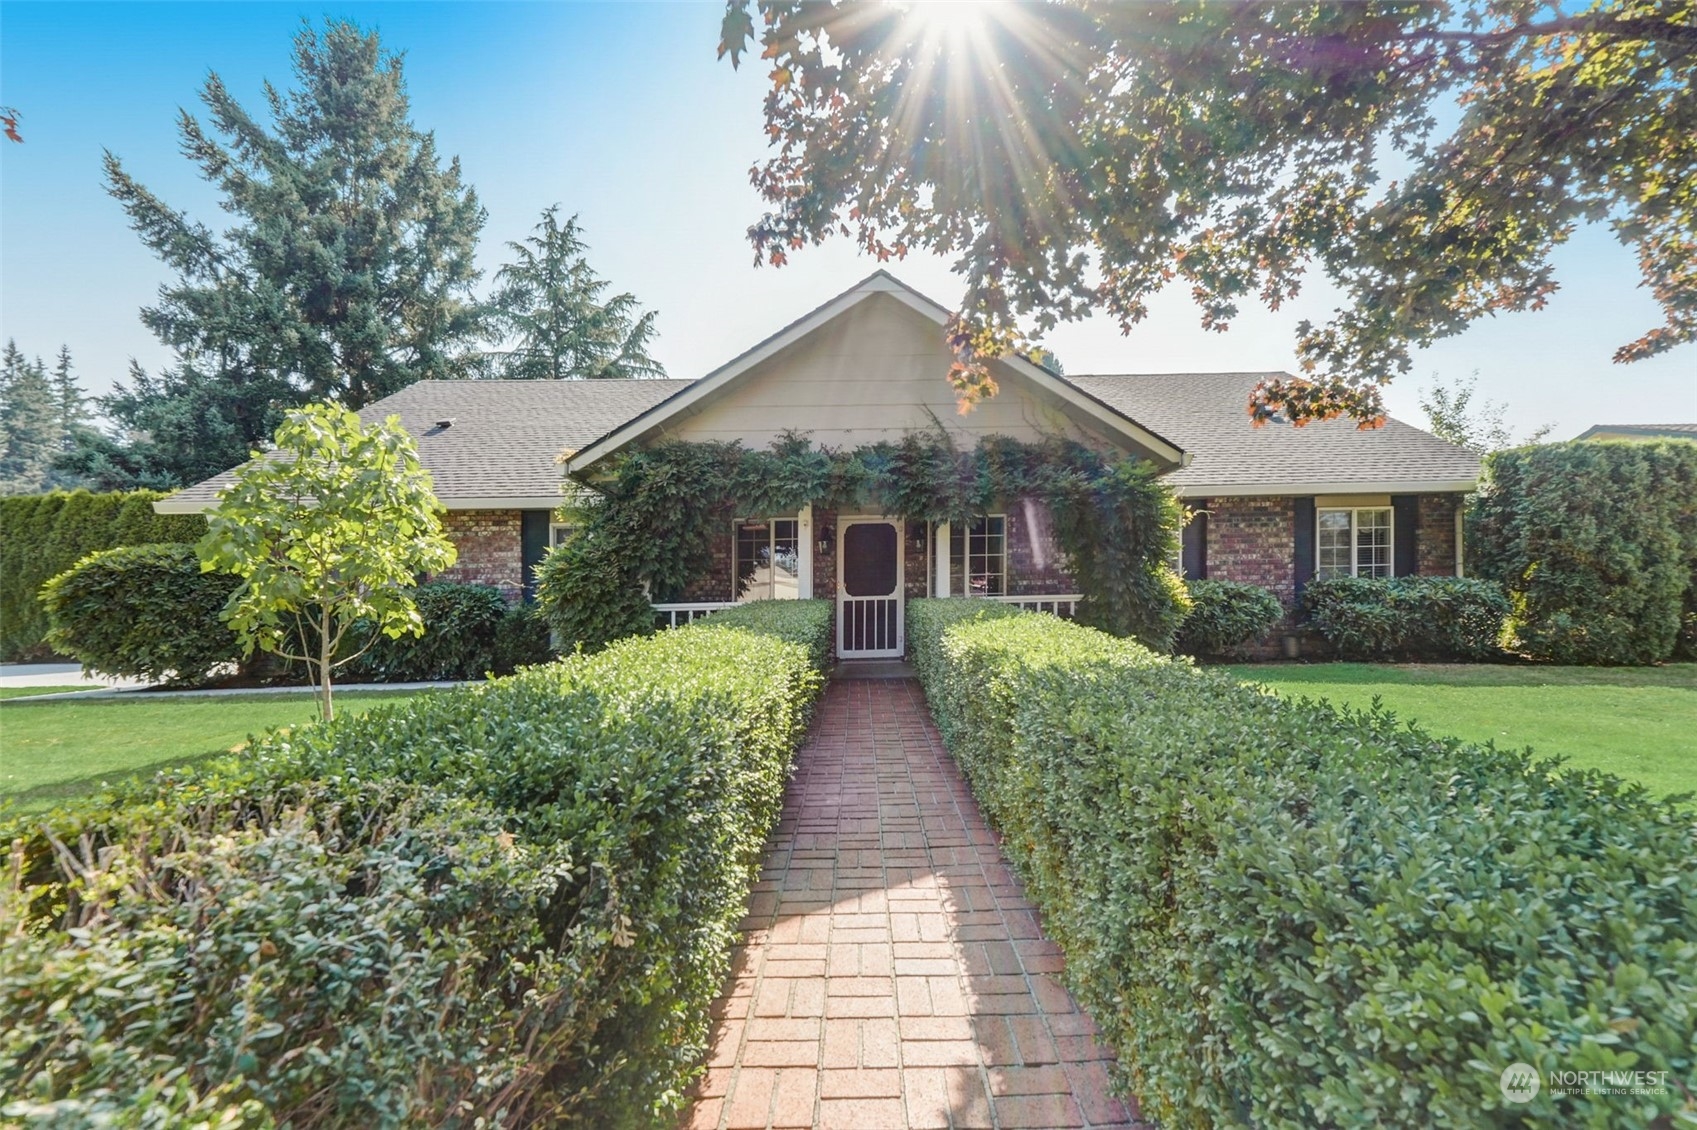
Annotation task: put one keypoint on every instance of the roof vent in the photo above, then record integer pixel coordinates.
(443, 425)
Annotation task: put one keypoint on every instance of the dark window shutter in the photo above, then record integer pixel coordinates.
(1405, 534)
(1194, 539)
(1304, 561)
(533, 547)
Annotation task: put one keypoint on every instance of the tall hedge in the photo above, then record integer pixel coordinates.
(42, 535)
(1596, 544)
(505, 905)
(1286, 915)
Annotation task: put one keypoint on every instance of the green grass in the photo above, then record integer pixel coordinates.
(52, 751)
(1639, 722)
(31, 692)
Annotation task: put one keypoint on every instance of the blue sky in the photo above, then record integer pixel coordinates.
(621, 113)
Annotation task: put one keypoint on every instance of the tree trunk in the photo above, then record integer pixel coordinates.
(326, 708)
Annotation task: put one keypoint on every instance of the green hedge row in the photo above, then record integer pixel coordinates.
(1596, 544)
(1281, 914)
(1423, 619)
(148, 612)
(509, 904)
(42, 535)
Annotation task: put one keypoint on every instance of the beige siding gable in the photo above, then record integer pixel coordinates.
(876, 372)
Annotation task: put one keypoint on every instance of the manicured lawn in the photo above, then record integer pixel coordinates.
(53, 750)
(1639, 722)
(30, 692)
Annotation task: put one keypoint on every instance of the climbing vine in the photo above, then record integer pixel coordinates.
(646, 530)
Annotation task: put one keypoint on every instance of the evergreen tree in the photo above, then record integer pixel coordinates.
(348, 272)
(30, 418)
(68, 399)
(550, 301)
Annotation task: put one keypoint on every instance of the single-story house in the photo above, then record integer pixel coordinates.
(1273, 506)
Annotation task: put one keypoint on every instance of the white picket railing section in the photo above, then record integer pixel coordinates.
(869, 627)
(1064, 605)
(676, 615)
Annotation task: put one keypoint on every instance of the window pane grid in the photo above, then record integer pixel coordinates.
(1354, 543)
(978, 557)
(768, 559)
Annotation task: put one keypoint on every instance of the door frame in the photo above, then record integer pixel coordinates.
(900, 595)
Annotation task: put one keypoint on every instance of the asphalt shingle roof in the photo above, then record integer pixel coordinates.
(506, 435)
(1206, 414)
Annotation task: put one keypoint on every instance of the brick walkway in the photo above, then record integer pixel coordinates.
(893, 973)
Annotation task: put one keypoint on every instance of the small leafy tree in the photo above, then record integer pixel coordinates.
(330, 529)
(1451, 415)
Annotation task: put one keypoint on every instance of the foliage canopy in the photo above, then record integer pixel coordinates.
(551, 302)
(347, 272)
(1080, 155)
(647, 531)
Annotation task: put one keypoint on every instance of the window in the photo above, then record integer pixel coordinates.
(978, 557)
(559, 533)
(1354, 543)
(768, 559)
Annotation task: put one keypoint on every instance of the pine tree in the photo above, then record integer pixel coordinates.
(348, 273)
(550, 301)
(30, 423)
(68, 399)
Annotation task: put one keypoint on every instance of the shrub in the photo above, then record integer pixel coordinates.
(142, 612)
(42, 535)
(521, 640)
(513, 902)
(461, 626)
(1282, 914)
(1412, 618)
(1596, 544)
(1225, 617)
(804, 622)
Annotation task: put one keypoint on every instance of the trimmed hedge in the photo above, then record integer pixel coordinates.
(511, 902)
(42, 535)
(1225, 617)
(1283, 914)
(461, 623)
(1432, 619)
(1596, 544)
(142, 612)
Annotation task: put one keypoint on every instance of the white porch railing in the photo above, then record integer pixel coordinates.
(686, 612)
(1063, 605)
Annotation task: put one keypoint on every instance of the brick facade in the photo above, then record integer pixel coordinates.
(1436, 547)
(1253, 540)
(491, 550)
(1036, 565)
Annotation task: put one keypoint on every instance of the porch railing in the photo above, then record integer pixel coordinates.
(676, 615)
(1063, 605)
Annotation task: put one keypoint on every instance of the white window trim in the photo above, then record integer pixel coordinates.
(1354, 546)
(803, 549)
(554, 531)
(943, 539)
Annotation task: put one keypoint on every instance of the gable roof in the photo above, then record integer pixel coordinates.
(502, 450)
(1639, 431)
(1117, 424)
(1208, 413)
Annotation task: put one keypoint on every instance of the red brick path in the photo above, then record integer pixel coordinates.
(894, 974)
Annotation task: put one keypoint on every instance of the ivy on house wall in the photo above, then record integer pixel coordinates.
(646, 530)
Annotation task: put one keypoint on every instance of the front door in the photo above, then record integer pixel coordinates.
(869, 589)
